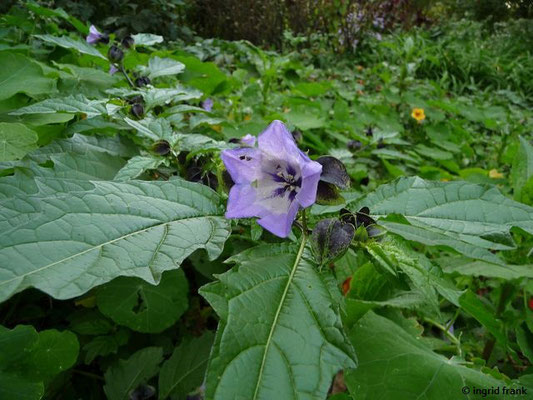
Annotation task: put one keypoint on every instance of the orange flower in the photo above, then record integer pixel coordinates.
(418, 114)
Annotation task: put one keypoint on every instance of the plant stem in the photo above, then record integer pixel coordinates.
(304, 223)
(448, 334)
(126, 75)
(88, 374)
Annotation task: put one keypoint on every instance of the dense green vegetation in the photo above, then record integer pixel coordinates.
(120, 277)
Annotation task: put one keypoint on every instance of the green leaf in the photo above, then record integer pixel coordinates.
(466, 267)
(128, 374)
(471, 303)
(28, 359)
(205, 76)
(15, 387)
(55, 352)
(298, 342)
(136, 166)
(522, 169)
(144, 307)
(475, 214)
(21, 75)
(16, 141)
(73, 235)
(71, 104)
(162, 67)
(99, 346)
(185, 369)
(524, 338)
(394, 365)
(146, 39)
(69, 43)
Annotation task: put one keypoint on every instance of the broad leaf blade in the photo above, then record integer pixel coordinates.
(298, 342)
(475, 214)
(73, 235)
(124, 377)
(69, 43)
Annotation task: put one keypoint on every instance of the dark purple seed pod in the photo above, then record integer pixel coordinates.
(137, 99)
(142, 81)
(115, 54)
(381, 144)
(330, 239)
(369, 131)
(162, 147)
(365, 181)
(104, 39)
(354, 145)
(137, 110)
(127, 42)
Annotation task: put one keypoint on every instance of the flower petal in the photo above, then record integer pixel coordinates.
(243, 164)
(280, 224)
(241, 202)
(311, 171)
(277, 141)
(248, 140)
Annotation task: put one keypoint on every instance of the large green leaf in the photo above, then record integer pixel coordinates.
(467, 267)
(136, 166)
(162, 67)
(128, 374)
(185, 369)
(71, 235)
(280, 335)
(71, 105)
(394, 365)
(144, 307)
(69, 43)
(460, 215)
(16, 141)
(20, 75)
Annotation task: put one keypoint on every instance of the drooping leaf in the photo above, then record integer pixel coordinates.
(70, 235)
(185, 369)
(162, 67)
(146, 39)
(16, 140)
(127, 375)
(71, 104)
(136, 166)
(21, 75)
(297, 343)
(467, 267)
(144, 307)
(69, 43)
(477, 215)
(394, 365)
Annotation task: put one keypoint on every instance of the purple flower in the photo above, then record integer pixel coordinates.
(207, 104)
(113, 69)
(272, 181)
(94, 35)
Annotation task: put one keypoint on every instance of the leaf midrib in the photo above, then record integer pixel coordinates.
(100, 246)
(278, 312)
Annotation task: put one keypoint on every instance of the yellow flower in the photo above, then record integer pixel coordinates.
(494, 174)
(418, 114)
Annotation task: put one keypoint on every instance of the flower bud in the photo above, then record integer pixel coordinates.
(115, 54)
(137, 110)
(354, 145)
(127, 42)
